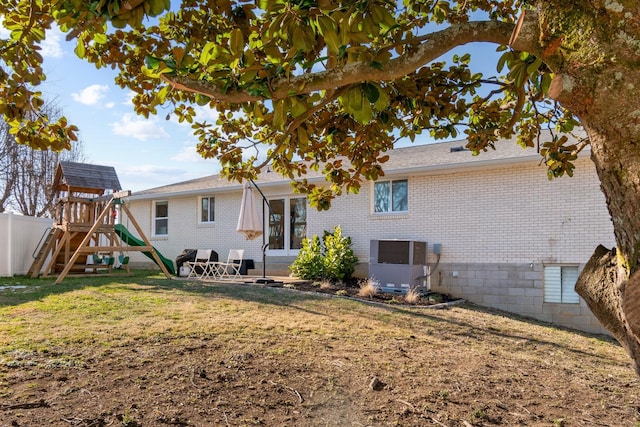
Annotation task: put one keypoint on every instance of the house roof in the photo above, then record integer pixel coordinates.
(433, 157)
(85, 178)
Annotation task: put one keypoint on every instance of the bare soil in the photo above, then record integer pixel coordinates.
(302, 361)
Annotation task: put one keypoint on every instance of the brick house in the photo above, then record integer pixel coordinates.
(507, 237)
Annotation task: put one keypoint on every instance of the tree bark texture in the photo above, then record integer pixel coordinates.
(597, 67)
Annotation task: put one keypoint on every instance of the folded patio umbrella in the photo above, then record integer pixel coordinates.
(249, 222)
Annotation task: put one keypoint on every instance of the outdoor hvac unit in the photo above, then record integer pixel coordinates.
(397, 264)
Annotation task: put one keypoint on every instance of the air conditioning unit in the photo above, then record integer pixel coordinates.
(398, 265)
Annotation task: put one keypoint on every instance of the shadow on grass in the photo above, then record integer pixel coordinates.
(22, 289)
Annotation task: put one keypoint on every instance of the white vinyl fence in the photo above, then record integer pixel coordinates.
(19, 238)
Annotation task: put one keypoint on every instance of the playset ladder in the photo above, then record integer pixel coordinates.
(45, 249)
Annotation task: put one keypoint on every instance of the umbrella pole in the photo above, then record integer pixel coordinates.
(265, 244)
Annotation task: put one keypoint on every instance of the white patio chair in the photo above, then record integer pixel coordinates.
(200, 267)
(229, 270)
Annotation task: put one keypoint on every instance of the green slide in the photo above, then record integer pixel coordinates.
(131, 240)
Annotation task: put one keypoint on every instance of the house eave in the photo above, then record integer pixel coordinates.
(462, 166)
(234, 187)
(406, 171)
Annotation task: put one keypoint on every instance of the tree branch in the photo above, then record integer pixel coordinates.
(432, 48)
(298, 121)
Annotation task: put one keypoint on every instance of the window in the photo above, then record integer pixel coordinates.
(391, 196)
(298, 217)
(207, 209)
(161, 219)
(559, 283)
(287, 223)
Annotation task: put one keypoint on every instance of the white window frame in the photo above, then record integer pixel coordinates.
(390, 211)
(559, 284)
(156, 218)
(287, 250)
(211, 211)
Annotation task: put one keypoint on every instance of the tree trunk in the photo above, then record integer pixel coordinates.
(598, 79)
(610, 283)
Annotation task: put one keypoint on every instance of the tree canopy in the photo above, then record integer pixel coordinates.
(318, 81)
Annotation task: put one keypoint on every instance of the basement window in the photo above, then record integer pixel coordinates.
(559, 284)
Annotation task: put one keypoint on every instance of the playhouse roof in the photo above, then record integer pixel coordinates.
(76, 177)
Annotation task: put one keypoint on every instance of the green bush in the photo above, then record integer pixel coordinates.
(309, 265)
(332, 258)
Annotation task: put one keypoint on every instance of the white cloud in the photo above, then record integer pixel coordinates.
(188, 154)
(109, 105)
(52, 44)
(207, 113)
(139, 128)
(129, 97)
(141, 177)
(91, 95)
(198, 165)
(4, 33)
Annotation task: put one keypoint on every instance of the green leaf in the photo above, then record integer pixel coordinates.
(205, 55)
(371, 91)
(236, 41)
(161, 95)
(502, 61)
(327, 29)
(545, 82)
(383, 100)
(297, 108)
(202, 99)
(300, 39)
(79, 50)
(533, 67)
(332, 41)
(152, 62)
(279, 114)
(100, 38)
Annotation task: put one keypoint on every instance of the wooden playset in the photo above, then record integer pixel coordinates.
(87, 236)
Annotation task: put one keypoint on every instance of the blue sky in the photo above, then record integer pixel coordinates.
(146, 153)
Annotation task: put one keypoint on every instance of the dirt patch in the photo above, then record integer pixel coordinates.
(266, 358)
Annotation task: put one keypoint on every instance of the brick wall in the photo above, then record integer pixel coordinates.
(186, 232)
(506, 215)
(498, 226)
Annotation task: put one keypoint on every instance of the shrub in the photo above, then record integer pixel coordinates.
(339, 260)
(329, 259)
(309, 265)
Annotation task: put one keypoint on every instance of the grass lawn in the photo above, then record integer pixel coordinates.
(147, 351)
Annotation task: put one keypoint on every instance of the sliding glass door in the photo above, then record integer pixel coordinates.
(287, 224)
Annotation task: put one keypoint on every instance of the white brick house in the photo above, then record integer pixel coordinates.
(510, 238)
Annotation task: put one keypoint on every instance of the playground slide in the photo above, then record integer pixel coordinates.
(131, 240)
